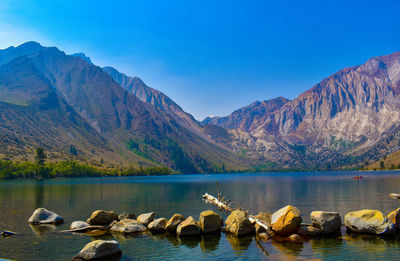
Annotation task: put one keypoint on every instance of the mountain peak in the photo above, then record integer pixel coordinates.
(83, 57)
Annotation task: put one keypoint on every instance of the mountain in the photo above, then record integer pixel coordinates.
(57, 101)
(249, 117)
(342, 117)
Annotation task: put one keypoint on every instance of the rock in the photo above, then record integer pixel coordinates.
(294, 238)
(173, 223)
(286, 221)
(326, 222)
(128, 226)
(44, 216)
(189, 227)
(263, 236)
(394, 217)
(78, 224)
(307, 231)
(210, 221)
(158, 224)
(238, 224)
(102, 217)
(394, 195)
(368, 221)
(265, 218)
(99, 249)
(146, 218)
(126, 216)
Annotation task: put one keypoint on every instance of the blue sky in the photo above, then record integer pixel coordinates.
(212, 57)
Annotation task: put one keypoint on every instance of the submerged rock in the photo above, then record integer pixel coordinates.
(368, 221)
(238, 223)
(126, 216)
(307, 231)
(44, 216)
(158, 224)
(286, 221)
(394, 217)
(78, 224)
(102, 217)
(128, 226)
(173, 222)
(146, 218)
(210, 221)
(189, 227)
(326, 222)
(100, 249)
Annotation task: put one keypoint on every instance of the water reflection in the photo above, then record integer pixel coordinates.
(239, 243)
(39, 193)
(40, 230)
(189, 241)
(210, 242)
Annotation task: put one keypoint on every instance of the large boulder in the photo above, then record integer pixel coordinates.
(158, 224)
(100, 250)
(127, 226)
(368, 221)
(173, 222)
(286, 221)
(394, 217)
(210, 221)
(146, 218)
(44, 216)
(326, 222)
(78, 224)
(189, 227)
(264, 218)
(102, 217)
(238, 223)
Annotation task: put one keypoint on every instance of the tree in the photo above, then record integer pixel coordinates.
(382, 164)
(40, 156)
(72, 150)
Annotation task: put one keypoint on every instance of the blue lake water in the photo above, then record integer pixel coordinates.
(76, 198)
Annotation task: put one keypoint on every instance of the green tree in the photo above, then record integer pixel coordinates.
(40, 156)
(73, 150)
(382, 164)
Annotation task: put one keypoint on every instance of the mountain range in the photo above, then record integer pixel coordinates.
(59, 102)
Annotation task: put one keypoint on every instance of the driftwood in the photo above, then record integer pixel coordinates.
(87, 229)
(6, 233)
(224, 205)
(394, 196)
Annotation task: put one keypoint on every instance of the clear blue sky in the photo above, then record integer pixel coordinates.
(212, 57)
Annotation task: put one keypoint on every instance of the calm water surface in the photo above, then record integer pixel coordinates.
(75, 199)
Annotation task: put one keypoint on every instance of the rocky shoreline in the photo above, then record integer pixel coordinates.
(284, 225)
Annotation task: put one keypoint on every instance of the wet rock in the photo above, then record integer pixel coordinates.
(210, 221)
(286, 221)
(265, 218)
(102, 217)
(189, 227)
(368, 221)
(126, 216)
(394, 217)
(44, 216)
(146, 218)
(173, 223)
(326, 222)
(238, 224)
(78, 224)
(158, 224)
(294, 238)
(99, 249)
(128, 226)
(307, 231)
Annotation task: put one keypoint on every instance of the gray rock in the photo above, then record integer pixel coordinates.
(99, 249)
(126, 216)
(368, 221)
(158, 224)
(146, 218)
(128, 226)
(326, 222)
(44, 216)
(78, 224)
(189, 227)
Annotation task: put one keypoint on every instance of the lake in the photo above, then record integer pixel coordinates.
(76, 198)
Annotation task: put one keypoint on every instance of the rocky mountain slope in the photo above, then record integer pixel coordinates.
(342, 117)
(58, 100)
